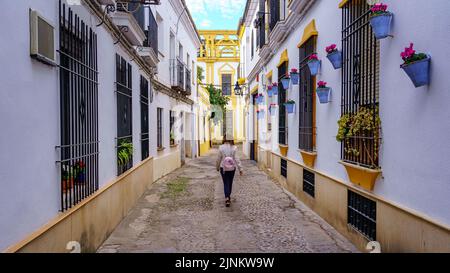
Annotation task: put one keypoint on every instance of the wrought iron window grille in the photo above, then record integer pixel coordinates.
(362, 215)
(79, 149)
(360, 82)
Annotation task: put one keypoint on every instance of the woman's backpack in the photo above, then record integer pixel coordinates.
(229, 164)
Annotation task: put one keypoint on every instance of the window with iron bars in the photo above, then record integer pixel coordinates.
(362, 215)
(159, 128)
(306, 103)
(282, 119)
(309, 183)
(171, 124)
(79, 148)
(124, 94)
(145, 136)
(360, 82)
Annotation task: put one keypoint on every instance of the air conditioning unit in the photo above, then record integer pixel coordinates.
(42, 38)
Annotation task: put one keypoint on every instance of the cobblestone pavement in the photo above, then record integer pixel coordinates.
(185, 212)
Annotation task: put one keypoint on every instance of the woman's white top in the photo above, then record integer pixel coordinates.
(227, 150)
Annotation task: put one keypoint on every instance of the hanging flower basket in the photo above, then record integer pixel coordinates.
(260, 99)
(260, 114)
(416, 66)
(314, 65)
(275, 88)
(295, 76)
(290, 107)
(335, 56)
(380, 21)
(286, 81)
(323, 92)
(270, 93)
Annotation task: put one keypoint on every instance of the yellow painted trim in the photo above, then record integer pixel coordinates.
(223, 71)
(310, 31)
(241, 34)
(343, 3)
(361, 176)
(269, 75)
(283, 149)
(283, 58)
(308, 158)
(254, 90)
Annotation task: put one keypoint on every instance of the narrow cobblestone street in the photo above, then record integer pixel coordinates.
(185, 212)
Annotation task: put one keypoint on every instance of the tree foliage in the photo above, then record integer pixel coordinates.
(200, 74)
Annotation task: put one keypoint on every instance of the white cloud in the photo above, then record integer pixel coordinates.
(205, 23)
(211, 13)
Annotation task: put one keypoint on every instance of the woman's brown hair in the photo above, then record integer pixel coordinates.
(229, 141)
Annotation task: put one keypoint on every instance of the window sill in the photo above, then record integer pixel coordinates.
(160, 149)
(361, 176)
(283, 149)
(309, 158)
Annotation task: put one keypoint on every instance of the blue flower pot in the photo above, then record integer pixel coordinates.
(261, 115)
(335, 59)
(381, 25)
(286, 82)
(314, 66)
(419, 72)
(290, 108)
(270, 93)
(260, 100)
(324, 94)
(275, 90)
(295, 78)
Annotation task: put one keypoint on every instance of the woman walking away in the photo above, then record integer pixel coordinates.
(227, 163)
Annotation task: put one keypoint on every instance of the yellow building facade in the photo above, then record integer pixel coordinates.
(219, 57)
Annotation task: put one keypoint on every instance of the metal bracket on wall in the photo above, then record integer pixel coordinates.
(122, 29)
(108, 9)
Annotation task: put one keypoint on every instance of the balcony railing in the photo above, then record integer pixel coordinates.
(177, 77)
(152, 34)
(188, 82)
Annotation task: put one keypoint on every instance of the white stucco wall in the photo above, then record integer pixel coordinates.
(30, 111)
(415, 128)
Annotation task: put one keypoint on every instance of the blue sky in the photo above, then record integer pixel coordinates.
(216, 14)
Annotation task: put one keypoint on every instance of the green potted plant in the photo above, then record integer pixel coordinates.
(323, 92)
(314, 64)
(416, 66)
(80, 172)
(290, 106)
(380, 20)
(67, 178)
(172, 139)
(334, 56)
(124, 153)
(364, 123)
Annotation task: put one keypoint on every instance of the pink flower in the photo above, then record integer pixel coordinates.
(409, 52)
(294, 70)
(275, 84)
(322, 84)
(313, 57)
(270, 87)
(330, 49)
(379, 7)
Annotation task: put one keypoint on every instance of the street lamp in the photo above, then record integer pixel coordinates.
(238, 90)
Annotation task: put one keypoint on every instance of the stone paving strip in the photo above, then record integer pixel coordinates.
(185, 212)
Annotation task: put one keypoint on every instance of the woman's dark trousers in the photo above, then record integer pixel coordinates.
(227, 178)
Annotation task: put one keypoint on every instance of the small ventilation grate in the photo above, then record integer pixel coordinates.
(309, 182)
(362, 213)
(284, 168)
